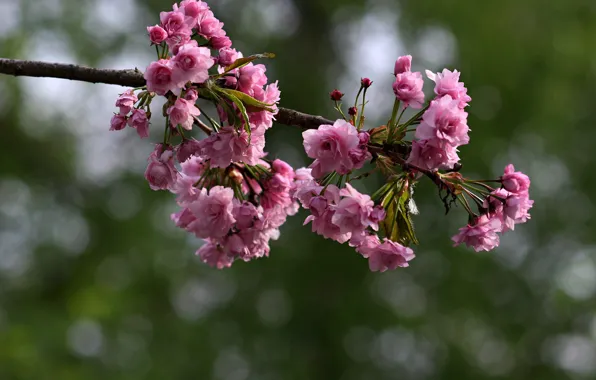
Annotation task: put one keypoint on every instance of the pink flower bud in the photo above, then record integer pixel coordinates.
(117, 123)
(352, 111)
(157, 34)
(366, 82)
(403, 64)
(221, 42)
(336, 95)
(140, 122)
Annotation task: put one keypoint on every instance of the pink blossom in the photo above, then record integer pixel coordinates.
(408, 89)
(330, 145)
(245, 148)
(251, 76)
(157, 34)
(161, 173)
(447, 83)
(139, 121)
(217, 148)
(283, 168)
(126, 101)
(214, 255)
(178, 27)
(227, 56)
(387, 255)
(191, 64)
(183, 218)
(322, 215)
(194, 166)
(209, 26)
(194, 9)
(213, 211)
(430, 155)
(353, 212)
(117, 123)
(182, 113)
(445, 121)
(516, 208)
(159, 77)
(276, 191)
(188, 148)
(191, 95)
(269, 95)
(246, 214)
(481, 235)
(220, 42)
(403, 64)
(515, 182)
(185, 189)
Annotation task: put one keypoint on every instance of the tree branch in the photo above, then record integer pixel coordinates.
(127, 78)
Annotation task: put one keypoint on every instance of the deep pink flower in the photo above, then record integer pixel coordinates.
(157, 34)
(330, 145)
(447, 83)
(387, 255)
(161, 173)
(227, 56)
(444, 121)
(269, 95)
(194, 9)
(209, 27)
(188, 148)
(482, 235)
(516, 208)
(191, 64)
(126, 101)
(276, 191)
(178, 27)
(430, 155)
(159, 77)
(408, 89)
(515, 182)
(353, 212)
(217, 148)
(182, 113)
(366, 82)
(194, 166)
(213, 211)
(183, 218)
(139, 121)
(214, 255)
(246, 215)
(117, 123)
(283, 168)
(220, 42)
(403, 64)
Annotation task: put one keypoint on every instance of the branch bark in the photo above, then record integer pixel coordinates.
(127, 78)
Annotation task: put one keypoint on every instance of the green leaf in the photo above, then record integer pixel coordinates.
(240, 62)
(398, 225)
(241, 108)
(248, 100)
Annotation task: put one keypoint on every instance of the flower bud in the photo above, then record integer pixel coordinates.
(336, 95)
(352, 111)
(366, 83)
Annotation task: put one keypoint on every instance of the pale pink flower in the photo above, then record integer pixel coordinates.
(194, 166)
(191, 95)
(430, 155)
(251, 76)
(268, 95)
(227, 56)
(276, 191)
(159, 77)
(214, 255)
(185, 189)
(191, 64)
(444, 121)
(408, 89)
(245, 148)
(139, 121)
(322, 215)
(182, 113)
(330, 145)
(217, 148)
(178, 27)
(353, 212)
(209, 27)
(126, 101)
(183, 218)
(283, 168)
(187, 149)
(194, 9)
(516, 208)
(161, 173)
(447, 83)
(246, 215)
(403, 64)
(213, 210)
(515, 182)
(157, 34)
(118, 123)
(481, 235)
(387, 255)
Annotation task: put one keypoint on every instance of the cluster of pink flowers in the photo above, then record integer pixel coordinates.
(504, 208)
(444, 123)
(136, 118)
(235, 199)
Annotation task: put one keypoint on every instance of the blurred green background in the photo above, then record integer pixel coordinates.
(96, 283)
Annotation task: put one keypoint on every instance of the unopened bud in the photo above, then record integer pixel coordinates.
(366, 83)
(336, 95)
(235, 176)
(352, 111)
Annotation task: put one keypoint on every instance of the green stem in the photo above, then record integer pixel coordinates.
(360, 124)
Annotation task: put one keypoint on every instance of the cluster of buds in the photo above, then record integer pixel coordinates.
(236, 199)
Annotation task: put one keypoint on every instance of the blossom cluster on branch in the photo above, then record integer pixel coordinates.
(236, 199)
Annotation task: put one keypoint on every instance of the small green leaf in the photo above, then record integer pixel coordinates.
(240, 62)
(241, 108)
(249, 100)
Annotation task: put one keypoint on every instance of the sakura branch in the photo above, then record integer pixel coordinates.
(235, 198)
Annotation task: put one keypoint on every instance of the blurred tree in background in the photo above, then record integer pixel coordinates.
(96, 283)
